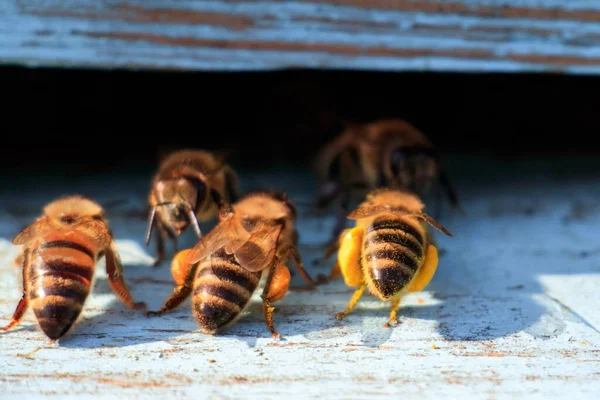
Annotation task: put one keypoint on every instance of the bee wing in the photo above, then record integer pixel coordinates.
(433, 222)
(31, 231)
(258, 251)
(97, 230)
(229, 233)
(189, 172)
(371, 210)
(368, 210)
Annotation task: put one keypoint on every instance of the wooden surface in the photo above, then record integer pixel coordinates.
(512, 312)
(456, 35)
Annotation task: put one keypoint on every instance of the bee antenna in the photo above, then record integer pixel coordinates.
(150, 224)
(151, 218)
(193, 219)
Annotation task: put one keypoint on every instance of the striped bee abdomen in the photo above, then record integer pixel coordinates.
(393, 252)
(222, 289)
(60, 279)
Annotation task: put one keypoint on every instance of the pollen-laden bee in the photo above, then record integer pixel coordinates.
(254, 238)
(390, 251)
(386, 153)
(190, 186)
(60, 251)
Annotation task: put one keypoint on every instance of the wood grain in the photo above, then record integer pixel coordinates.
(458, 35)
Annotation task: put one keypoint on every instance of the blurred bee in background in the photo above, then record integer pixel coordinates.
(390, 251)
(60, 251)
(190, 186)
(386, 153)
(255, 238)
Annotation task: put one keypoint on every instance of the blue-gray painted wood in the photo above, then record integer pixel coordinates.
(459, 35)
(512, 312)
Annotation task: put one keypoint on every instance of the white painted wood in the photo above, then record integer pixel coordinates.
(513, 311)
(458, 35)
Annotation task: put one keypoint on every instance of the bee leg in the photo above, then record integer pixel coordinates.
(393, 321)
(353, 301)
(114, 270)
(175, 246)
(179, 294)
(293, 251)
(334, 273)
(335, 270)
(426, 271)
(160, 247)
(23, 303)
(449, 188)
(331, 249)
(218, 199)
(340, 223)
(276, 286)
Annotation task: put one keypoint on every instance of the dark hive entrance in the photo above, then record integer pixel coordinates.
(88, 121)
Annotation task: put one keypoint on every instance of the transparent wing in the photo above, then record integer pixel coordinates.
(97, 230)
(433, 223)
(31, 231)
(371, 210)
(258, 252)
(228, 233)
(368, 210)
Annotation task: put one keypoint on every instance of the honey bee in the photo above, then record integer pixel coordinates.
(390, 251)
(60, 251)
(386, 153)
(190, 186)
(256, 237)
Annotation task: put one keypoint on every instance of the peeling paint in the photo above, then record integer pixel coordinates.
(456, 35)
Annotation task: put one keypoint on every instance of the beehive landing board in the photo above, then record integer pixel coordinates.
(416, 35)
(512, 311)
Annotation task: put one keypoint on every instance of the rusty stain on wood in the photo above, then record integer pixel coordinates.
(341, 49)
(285, 46)
(130, 13)
(459, 35)
(177, 379)
(467, 8)
(554, 60)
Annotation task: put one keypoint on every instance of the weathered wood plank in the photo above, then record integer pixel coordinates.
(513, 310)
(459, 35)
